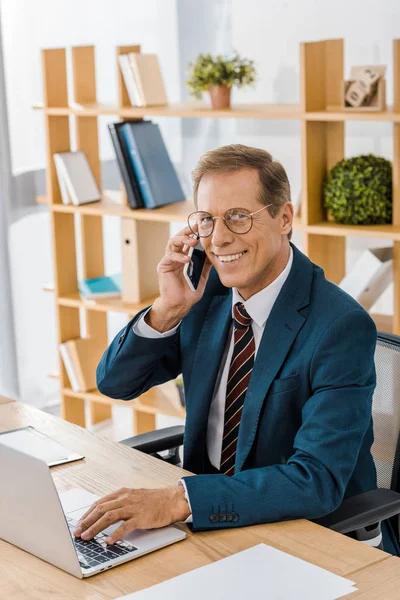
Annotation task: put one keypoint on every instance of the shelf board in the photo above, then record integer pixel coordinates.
(389, 232)
(104, 304)
(184, 109)
(112, 204)
(153, 402)
(336, 113)
(239, 111)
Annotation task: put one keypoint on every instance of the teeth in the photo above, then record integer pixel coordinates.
(230, 257)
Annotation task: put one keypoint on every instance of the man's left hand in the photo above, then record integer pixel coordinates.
(139, 509)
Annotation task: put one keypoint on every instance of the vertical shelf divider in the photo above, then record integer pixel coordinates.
(55, 93)
(91, 226)
(322, 147)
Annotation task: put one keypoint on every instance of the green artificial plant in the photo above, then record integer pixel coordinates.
(358, 191)
(209, 70)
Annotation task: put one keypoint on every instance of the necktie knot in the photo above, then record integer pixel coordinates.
(241, 317)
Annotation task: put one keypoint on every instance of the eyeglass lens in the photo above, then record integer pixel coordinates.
(237, 220)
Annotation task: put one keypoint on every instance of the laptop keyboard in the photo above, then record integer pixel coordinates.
(95, 551)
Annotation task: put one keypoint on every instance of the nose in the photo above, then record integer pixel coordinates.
(221, 236)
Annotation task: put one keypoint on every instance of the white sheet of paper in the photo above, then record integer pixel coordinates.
(258, 573)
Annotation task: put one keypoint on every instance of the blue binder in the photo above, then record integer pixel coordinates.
(156, 175)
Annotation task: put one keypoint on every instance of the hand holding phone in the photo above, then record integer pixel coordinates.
(177, 295)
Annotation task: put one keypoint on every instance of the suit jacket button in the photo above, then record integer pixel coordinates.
(228, 517)
(121, 339)
(222, 517)
(214, 518)
(235, 517)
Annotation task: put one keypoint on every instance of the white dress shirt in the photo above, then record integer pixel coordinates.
(259, 308)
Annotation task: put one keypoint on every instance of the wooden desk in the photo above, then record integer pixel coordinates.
(108, 466)
(4, 400)
(379, 582)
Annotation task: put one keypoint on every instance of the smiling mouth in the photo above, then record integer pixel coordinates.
(229, 258)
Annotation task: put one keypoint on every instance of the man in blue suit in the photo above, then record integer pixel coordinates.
(277, 363)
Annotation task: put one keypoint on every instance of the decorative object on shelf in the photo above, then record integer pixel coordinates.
(217, 75)
(370, 276)
(358, 191)
(108, 286)
(366, 89)
(75, 178)
(179, 387)
(143, 79)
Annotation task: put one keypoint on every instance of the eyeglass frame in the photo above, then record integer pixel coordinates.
(223, 217)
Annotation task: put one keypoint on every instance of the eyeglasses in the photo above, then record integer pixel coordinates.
(238, 220)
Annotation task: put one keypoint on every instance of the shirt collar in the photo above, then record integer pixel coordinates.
(260, 305)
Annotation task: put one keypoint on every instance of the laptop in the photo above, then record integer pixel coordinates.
(34, 517)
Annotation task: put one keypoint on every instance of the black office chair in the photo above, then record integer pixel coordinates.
(358, 516)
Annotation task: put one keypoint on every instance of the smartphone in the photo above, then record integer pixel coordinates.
(192, 270)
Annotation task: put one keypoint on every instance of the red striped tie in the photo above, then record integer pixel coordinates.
(238, 381)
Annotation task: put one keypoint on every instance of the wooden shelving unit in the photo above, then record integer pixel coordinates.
(323, 141)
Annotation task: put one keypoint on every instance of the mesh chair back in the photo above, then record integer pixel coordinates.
(386, 411)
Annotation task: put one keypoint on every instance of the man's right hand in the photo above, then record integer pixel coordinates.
(176, 298)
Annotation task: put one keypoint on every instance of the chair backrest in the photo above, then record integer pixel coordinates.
(386, 411)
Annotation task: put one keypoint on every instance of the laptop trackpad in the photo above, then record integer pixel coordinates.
(77, 501)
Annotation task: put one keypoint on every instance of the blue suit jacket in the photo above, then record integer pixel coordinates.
(306, 428)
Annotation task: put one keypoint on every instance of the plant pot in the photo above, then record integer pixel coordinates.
(220, 96)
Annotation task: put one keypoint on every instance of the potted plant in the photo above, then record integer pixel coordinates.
(358, 191)
(217, 75)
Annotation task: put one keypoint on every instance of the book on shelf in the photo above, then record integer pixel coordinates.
(75, 178)
(370, 276)
(129, 80)
(150, 161)
(65, 197)
(143, 79)
(108, 286)
(148, 79)
(131, 185)
(81, 357)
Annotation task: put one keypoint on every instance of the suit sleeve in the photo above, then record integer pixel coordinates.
(133, 364)
(335, 420)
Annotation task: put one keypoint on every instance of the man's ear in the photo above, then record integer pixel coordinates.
(286, 216)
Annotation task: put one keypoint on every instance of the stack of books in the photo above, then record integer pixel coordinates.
(81, 357)
(146, 169)
(108, 286)
(143, 79)
(75, 178)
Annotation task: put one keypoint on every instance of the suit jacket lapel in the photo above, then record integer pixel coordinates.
(282, 327)
(206, 365)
